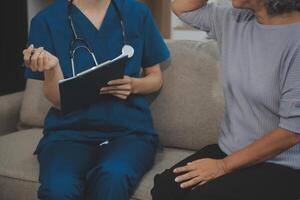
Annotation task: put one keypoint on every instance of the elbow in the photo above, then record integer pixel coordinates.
(159, 81)
(294, 137)
(160, 84)
(176, 9)
(181, 7)
(298, 138)
(53, 99)
(56, 105)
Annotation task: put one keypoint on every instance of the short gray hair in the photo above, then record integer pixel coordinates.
(277, 7)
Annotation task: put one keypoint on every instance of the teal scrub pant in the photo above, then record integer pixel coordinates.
(86, 171)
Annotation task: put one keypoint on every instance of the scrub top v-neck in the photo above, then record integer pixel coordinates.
(110, 117)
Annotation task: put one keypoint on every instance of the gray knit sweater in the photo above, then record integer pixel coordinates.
(261, 73)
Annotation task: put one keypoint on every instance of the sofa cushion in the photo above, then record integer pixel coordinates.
(19, 167)
(189, 107)
(164, 160)
(34, 106)
(16, 154)
(10, 106)
(186, 111)
(17, 189)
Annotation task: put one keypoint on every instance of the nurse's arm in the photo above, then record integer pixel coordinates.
(181, 6)
(151, 81)
(51, 87)
(40, 60)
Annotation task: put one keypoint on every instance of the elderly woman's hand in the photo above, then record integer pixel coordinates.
(200, 172)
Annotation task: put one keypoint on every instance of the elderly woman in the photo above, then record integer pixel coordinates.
(258, 153)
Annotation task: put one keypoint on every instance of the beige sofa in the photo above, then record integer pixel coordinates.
(186, 116)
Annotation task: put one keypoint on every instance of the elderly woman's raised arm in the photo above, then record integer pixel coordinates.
(182, 6)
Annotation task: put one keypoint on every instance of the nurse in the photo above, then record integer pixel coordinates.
(102, 151)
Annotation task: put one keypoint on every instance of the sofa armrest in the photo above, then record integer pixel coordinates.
(9, 112)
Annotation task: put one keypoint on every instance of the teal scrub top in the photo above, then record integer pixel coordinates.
(110, 117)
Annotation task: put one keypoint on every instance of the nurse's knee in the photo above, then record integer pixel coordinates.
(116, 175)
(60, 188)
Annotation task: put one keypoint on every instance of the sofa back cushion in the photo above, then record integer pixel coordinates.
(34, 106)
(186, 111)
(190, 105)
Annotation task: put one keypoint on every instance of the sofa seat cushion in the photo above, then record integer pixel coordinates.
(19, 165)
(164, 160)
(16, 155)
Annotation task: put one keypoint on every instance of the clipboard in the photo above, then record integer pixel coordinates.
(84, 89)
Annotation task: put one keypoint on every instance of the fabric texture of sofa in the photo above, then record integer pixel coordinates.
(186, 115)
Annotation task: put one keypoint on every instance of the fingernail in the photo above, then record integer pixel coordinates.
(109, 82)
(176, 179)
(31, 46)
(182, 186)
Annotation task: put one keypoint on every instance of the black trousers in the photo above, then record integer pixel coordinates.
(264, 181)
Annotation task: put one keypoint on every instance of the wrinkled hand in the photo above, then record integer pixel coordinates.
(121, 88)
(200, 172)
(38, 59)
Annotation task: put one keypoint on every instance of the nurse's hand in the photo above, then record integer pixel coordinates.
(39, 60)
(199, 172)
(121, 88)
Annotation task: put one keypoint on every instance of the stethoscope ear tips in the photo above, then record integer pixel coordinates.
(128, 51)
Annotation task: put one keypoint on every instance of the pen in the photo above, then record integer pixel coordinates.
(31, 46)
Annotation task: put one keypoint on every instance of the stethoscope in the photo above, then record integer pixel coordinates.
(127, 49)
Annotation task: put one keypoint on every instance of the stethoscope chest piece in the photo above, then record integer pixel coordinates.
(128, 50)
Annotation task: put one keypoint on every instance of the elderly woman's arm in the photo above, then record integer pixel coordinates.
(201, 171)
(261, 150)
(181, 6)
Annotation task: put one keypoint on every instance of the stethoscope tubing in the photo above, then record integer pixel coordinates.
(76, 39)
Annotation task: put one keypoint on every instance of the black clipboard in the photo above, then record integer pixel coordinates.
(84, 89)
